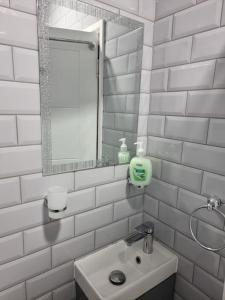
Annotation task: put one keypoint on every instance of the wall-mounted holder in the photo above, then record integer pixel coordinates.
(213, 204)
(56, 202)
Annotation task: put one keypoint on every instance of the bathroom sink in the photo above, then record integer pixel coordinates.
(143, 271)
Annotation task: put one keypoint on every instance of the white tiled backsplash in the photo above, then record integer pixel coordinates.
(186, 137)
(36, 255)
(186, 133)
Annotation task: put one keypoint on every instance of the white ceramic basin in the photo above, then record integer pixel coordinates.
(92, 272)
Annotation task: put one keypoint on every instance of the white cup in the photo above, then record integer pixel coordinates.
(57, 198)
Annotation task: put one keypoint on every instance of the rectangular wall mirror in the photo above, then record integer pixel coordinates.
(90, 73)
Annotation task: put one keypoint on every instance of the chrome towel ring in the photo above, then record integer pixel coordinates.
(213, 203)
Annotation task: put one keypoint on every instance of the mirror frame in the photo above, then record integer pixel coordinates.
(43, 38)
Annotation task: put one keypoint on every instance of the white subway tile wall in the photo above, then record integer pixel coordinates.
(36, 255)
(185, 142)
(186, 138)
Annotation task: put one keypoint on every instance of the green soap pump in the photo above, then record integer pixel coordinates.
(123, 155)
(140, 168)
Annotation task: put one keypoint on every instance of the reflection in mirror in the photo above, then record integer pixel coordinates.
(90, 71)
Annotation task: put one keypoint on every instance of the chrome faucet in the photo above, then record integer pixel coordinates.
(144, 231)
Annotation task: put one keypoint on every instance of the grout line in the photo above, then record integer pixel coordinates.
(177, 64)
(222, 10)
(207, 133)
(13, 62)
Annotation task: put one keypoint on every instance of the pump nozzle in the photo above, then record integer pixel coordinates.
(123, 146)
(140, 148)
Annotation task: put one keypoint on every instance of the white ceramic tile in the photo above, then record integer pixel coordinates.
(44, 236)
(93, 219)
(176, 219)
(209, 44)
(116, 66)
(134, 221)
(192, 77)
(19, 98)
(134, 62)
(24, 268)
(148, 27)
(126, 122)
(45, 297)
(20, 160)
(145, 81)
(72, 249)
(35, 186)
(216, 133)
(163, 30)
(26, 68)
(208, 103)
(114, 30)
(144, 104)
(188, 178)
(10, 191)
(151, 206)
(20, 28)
(102, 5)
(187, 128)
(147, 9)
(172, 53)
(128, 5)
(223, 16)
(111, 233)
(165, 8)
(50, 280)
(129, 42)
(156, 167)
(22, 217)
(110, 48)
(17, 292)
(163, 191)
(165, 148)
(24, 5)
(29, 130)
(108, 120)
(128, 207)
(156, 125)
(203, 157)
(132, 105)
(8, 135)
(80, 201)
(87, 178)
(148, 33)
(111, 137)
(124, 84)
(4, 3)
(168, 103)
(111, 192)
(209, 284)
(219, 80)
(159, 79)
(66, 291)
(142, 125)
(214, 184)
(203, 17)
(147, 58)
(121, 172)
(114, 104)
(11, 247)
(6, 71)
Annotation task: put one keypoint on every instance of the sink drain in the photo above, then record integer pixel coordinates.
(117, 277)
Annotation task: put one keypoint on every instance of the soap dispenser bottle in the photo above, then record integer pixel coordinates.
(140, 168)
(123, 155)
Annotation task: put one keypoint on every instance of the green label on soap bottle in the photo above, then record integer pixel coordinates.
(139, 173)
